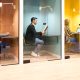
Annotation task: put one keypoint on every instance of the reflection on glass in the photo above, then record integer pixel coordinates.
(9, 32)
(49, 12)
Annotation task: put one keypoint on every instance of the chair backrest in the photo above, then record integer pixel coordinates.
(25, 41)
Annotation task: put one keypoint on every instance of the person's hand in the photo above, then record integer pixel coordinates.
(43, 32)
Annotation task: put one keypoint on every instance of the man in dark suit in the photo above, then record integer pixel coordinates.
(34, 37)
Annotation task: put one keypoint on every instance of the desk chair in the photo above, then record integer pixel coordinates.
(29, 46)
(3, 48)
(71, 44)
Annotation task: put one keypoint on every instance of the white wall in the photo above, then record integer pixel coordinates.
(54, 19)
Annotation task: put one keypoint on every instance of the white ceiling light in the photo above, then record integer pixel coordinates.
(40, 8)
(79, 11)
(8, 3)
(74, 9)
(45, 7)
(73, 5)
(0, 4)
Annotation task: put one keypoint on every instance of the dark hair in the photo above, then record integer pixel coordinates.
(33, 18)
(79, 24)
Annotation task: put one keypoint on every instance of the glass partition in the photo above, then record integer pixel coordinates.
(47, 12)
(72, 28)
(9, 37)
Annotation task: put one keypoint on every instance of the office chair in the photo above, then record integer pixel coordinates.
(3, 48)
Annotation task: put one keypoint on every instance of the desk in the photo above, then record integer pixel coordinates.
(12, 40)
(8, 39)
(2, 35)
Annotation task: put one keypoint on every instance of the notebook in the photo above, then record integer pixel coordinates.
(45, 27)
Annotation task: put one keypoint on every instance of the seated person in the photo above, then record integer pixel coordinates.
(68, 33)
(34, 37)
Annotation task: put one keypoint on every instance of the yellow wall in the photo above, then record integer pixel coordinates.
(74, 17)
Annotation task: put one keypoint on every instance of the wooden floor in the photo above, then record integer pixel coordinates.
(73, 55)
(8, 59)
(44, 56)
(72, 51)
(46, 70)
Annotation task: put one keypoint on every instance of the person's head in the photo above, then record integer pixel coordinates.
(67, 22)
(79, 24)
(34, 20)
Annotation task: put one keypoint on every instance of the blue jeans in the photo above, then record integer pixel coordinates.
(38, 41)
(73, 40)
(39, 44)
